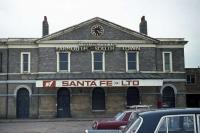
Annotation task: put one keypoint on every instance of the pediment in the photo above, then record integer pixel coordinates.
(105, 31)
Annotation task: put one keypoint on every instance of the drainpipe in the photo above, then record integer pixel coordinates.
(7, 78)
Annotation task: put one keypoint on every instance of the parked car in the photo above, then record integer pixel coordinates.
(121, 119)
(162, 121)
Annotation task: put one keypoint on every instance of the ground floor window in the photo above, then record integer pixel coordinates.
(168, 97)
(133, 97)
(98, 99)
(193, 100)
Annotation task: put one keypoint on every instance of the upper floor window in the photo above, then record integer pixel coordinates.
(1, 56)
(63, 61)
(98, 61)
(25, 62)
(190, 79)
(132, 61)
(167, 61)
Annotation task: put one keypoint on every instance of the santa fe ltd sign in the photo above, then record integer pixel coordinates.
(97, 83)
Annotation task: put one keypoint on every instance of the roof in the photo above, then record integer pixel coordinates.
(99, 20)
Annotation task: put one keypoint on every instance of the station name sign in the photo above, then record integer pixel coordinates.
(96, 83)
(96, 47)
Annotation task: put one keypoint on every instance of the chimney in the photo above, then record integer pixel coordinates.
(45, 27)
(143, 25)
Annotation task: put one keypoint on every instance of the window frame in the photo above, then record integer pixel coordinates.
(170, 61)
(1, 62)
(58, 62)
(22, 62)
(103, 61)
(166, 117)
(137, 61)
(131, 127)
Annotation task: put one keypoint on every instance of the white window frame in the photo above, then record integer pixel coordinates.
(168, 116)
(170, 58)
(137, 61)
(29, 62)
(198, 122)
(103, 67)
(58, 62)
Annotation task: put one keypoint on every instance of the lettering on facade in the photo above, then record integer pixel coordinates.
(88, 47)
(89, 83)
(130, 48)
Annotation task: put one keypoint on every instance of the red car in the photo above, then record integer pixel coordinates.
(120, 119)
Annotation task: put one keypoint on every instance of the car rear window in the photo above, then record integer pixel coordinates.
(177, 123)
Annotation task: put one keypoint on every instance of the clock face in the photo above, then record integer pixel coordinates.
(97, 30)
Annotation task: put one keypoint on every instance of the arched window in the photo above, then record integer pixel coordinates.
(168, 97)
(23, 103)
(98, 99)
(133, 97)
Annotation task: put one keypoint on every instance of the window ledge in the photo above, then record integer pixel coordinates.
(98, 111)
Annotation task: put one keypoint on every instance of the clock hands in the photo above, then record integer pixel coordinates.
(97, 30)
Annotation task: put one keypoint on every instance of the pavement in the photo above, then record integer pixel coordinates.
(45, 120)
(64, 125)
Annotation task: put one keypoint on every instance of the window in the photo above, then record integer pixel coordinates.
(167, 61)
(98, 99)
(98, 61)
(132, 61)
(1, 56)
(63, 61)
(25, 62)
(182, 123)
(190, 79)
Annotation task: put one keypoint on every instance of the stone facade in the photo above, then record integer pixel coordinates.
(43, 101)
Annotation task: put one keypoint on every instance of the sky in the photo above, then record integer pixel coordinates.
(165, 18)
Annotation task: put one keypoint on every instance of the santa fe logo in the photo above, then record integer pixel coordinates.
(49, 83)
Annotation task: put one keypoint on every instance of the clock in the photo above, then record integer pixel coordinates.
(97, 30)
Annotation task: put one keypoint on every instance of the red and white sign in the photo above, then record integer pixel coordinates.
(97, 83)
(49, 83)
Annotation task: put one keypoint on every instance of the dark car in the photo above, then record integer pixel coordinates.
(163, 121)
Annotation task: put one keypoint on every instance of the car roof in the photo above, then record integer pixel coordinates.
(171, 111)
(152, 118)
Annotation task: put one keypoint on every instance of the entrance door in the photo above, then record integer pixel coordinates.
(23, 101)
(63, 103)
(168, 97)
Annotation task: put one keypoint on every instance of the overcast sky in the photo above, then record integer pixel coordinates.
(165, 18)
